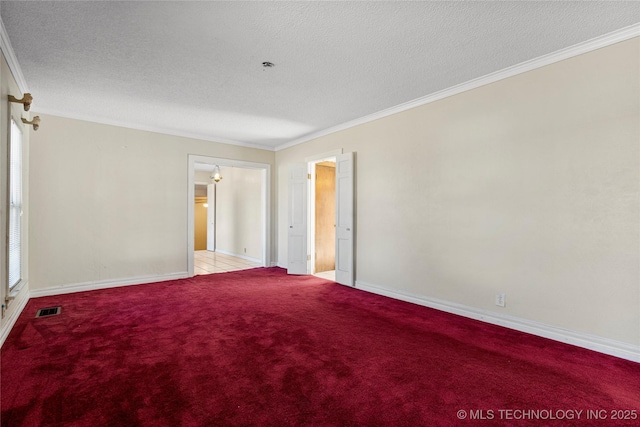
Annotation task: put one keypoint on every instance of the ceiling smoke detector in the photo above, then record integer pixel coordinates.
(267, 64)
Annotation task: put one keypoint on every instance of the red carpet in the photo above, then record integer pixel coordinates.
(260, 348)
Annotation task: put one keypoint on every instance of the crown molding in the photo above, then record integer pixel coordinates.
(542, 61)
(560, 55)
(12, 60)
(155, 129)
(16, 71)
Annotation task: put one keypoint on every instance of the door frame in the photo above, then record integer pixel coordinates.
(211, 217)
(311, 201)
(299, 200)
(312, 211)
(266, 203)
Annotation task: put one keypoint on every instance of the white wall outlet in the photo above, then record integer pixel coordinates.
(501, 300)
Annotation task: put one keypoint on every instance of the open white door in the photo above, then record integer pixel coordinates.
(211, 217)
(344, 219)
(297, 262)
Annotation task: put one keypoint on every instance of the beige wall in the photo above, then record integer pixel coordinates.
(239, 212)
(527, 186)
(202, 177)
(110, 203)
(8, 87)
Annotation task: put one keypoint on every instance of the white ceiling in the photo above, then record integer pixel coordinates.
(195, 68)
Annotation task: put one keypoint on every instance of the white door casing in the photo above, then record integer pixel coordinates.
(345, 219)
(297, 262)
(195, 160)
(211, 217)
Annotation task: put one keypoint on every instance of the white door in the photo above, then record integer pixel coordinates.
(297, 262)
(211, 217)
(344, 219)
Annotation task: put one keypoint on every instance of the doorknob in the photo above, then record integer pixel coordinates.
(291, 226)
(348, 229)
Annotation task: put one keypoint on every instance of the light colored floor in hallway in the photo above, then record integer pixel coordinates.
(328, 275)
(206, 262)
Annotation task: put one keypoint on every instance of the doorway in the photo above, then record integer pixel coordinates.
(300, 212)
(323, 215)
(200, 219)
(236, 208)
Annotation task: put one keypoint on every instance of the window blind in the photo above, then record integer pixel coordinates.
(15, 206)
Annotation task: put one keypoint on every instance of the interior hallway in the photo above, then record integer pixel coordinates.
(207, 262)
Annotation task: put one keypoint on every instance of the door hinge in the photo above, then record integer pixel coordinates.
(308, 176)
(308, 257)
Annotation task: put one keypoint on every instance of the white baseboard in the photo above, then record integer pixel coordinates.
(104, 284)
(579, 339)
(248, 258)
(7, 326)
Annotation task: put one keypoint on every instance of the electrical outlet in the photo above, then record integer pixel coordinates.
(501, 300)
(245, 250)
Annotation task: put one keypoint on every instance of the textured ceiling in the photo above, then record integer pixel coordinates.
(195, 68)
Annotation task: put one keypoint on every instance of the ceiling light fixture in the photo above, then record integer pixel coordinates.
(216, 176)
